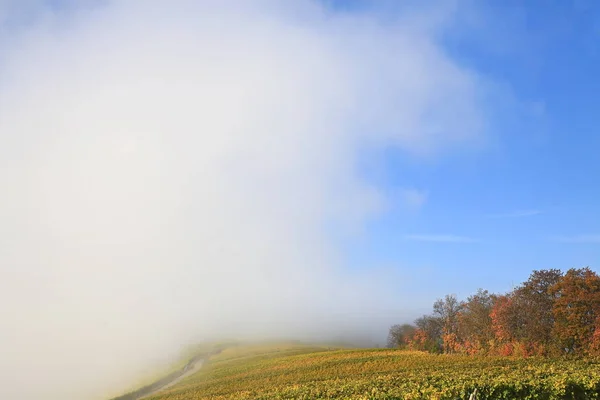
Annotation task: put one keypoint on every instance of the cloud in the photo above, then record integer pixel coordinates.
(441, 238)
(592, 239)
(176, 170)
(517, 214)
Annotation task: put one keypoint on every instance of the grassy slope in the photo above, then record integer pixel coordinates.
(160, 372)
(294, 371)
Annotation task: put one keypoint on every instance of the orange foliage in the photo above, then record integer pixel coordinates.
(594, 346)
(418, 340)
(576, 309)
(500, 315)
(451, 343)
(548, 315)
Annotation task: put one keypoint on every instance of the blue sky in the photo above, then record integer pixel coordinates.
(527, 200)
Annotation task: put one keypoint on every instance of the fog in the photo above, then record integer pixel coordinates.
(180, 170)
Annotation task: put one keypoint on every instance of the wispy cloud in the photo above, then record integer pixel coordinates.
(441, 238)
(578, 239)
(516, 214)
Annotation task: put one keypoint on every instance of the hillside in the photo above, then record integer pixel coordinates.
(297, 371)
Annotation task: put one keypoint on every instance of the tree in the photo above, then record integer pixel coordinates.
(475, 322)
(429, 334)
(524, 318)
(535, 301)
(576, 309)
(508, 321)
(548, 314)
(594, 346)
(447, 311)
(400, 336)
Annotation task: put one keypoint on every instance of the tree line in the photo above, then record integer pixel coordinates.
(551, 314)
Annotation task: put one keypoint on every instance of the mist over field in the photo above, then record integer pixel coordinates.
(179, 170)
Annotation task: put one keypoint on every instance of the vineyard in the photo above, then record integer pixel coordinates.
(293, 371)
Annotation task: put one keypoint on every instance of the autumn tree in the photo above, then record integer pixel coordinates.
(524, 318)
(504, 324)
(576, 309)
(535, 301)
(475, 322)
(400, 335)
(594, 345)
(548, 314)
(447, 311)
(429, 333)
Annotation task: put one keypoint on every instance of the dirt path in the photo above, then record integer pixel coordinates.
(168, 381)
(190, 369)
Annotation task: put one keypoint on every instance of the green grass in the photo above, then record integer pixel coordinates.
(296, 371)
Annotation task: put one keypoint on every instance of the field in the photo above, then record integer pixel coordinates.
(295, 371)
(158, 373)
